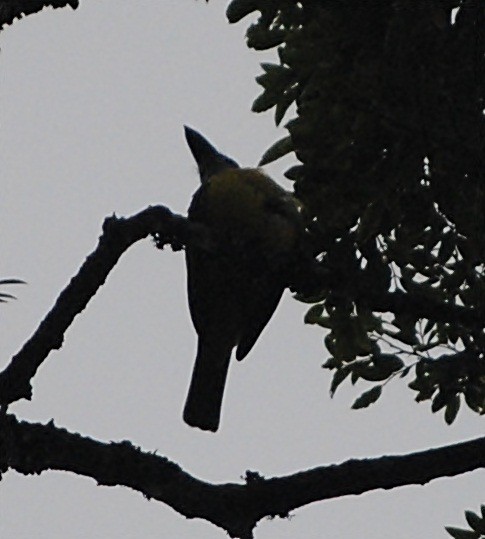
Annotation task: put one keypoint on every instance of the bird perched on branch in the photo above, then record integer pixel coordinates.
(236, 283)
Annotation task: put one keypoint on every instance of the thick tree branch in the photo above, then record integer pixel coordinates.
(118, 235)
(16, 9)
(237, 508)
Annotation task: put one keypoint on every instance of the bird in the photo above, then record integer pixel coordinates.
(236, 280)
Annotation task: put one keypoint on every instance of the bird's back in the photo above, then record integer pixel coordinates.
(236, 288)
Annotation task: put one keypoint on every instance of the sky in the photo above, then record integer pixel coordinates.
(92, 104)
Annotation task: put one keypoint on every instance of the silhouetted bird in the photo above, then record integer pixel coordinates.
(235, 284)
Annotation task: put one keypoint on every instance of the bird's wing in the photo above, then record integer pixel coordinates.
(266, 295)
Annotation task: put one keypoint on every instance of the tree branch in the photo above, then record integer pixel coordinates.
(118, 234)
(237, 508)
(421, 306)
(16, 9)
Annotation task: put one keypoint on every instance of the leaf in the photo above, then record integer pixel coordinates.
(416, 384)
(354, 377)
(314, 298)
(264, 101)
(238, 9)
(313, 314)
(390, 362)
(440, 401)
(12, 281)
(329, 341)
(325, 322)
(407, 329)
(294, 173)
(270, 67)
(285, 102)
(405, 372)
(337, 379)
(459, 533)
(367, 398)
(475, 397)
(373, 373)
(279, 149)
(452, 409)
(425, 394)
(422, 368)
(428, 326)
(4, 297)
(261, 38)
(331, 363)
(275, 77)
(447, 248)
(475, 522)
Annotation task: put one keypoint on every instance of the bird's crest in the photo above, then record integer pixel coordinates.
(209, 160)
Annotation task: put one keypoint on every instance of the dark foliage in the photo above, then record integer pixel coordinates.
(389, 131)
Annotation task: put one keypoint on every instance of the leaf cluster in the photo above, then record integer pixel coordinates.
(476, 523)
(387, 101)
(4, 296)
(447, 379)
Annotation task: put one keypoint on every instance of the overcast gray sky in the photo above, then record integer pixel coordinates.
(92, 107)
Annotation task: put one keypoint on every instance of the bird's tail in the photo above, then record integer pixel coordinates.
(204, 400)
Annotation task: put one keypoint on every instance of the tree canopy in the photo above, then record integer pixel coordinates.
(388, 125)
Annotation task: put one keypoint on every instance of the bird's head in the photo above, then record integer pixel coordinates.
(209, 160)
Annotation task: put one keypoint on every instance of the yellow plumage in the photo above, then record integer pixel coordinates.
(240, 201)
